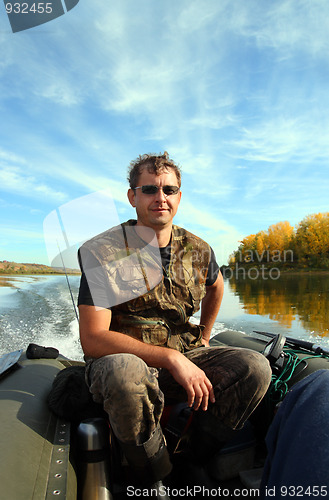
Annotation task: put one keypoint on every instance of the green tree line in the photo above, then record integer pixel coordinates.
(305, 245)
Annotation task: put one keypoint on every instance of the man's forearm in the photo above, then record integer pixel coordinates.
(105, 342)
(210, 307)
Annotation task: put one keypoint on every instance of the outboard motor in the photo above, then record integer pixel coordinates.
(94, 459)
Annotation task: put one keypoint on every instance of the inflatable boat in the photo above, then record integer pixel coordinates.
(45, 454)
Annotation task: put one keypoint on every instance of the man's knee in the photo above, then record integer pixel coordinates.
(119, 371)
(258, 370)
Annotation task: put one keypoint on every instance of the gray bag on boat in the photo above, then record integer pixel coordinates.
(70, 398)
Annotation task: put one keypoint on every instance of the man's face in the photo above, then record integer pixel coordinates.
(155, 210)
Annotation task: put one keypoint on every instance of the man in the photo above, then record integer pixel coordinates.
(140, 347)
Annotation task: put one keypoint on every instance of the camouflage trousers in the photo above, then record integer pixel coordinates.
(133, 394)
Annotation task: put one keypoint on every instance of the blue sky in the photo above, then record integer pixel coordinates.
(236, 91)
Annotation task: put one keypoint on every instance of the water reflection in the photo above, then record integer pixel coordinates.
(302, 296)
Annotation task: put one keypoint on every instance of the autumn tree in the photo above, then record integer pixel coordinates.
(266, 246)
(281, 243)
(312, 239)
(280, 236)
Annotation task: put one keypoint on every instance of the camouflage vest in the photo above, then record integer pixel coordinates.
(156, 311)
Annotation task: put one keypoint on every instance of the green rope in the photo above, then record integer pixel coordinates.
(280, 383)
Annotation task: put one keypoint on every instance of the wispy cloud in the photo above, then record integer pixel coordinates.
(288, 27)
(281, 139)
(14, 179)
(222, 236)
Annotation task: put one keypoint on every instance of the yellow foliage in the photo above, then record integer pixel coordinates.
(308, 243)
(312, 235)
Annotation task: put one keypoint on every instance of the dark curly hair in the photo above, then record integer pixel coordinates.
(154, 164)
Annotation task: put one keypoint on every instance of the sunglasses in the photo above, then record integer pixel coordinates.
(152, 189)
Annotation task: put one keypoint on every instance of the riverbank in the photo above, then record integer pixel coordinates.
(14, 268)
(255, 271)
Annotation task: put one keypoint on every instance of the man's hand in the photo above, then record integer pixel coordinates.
(194, 380)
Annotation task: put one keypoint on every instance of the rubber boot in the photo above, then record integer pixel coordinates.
(149, 463)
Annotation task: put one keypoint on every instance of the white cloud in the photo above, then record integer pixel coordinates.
(279, 139)
(305, 27)
(8, 156)
(14, 180)
(203, 221)
(60, 92)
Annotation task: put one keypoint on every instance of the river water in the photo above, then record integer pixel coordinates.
(38, 309)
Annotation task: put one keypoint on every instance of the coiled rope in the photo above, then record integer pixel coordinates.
(280, 383)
